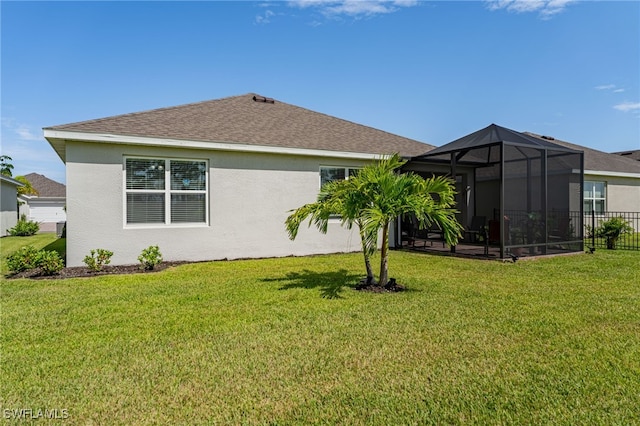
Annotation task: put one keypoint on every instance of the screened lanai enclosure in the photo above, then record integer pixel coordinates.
(518, 194)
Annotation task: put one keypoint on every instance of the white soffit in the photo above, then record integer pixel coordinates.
(611, 174)
(217, 146)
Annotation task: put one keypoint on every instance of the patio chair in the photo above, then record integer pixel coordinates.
(431, 234)
(560, 232)
(477, 229)
(412, 234)
(409, 230)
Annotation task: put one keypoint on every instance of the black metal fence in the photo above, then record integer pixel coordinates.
(597, 224)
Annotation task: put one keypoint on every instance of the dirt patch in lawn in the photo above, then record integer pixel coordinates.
(83, 271)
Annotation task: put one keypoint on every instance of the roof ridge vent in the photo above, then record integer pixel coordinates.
(549, 138)
(257, 98)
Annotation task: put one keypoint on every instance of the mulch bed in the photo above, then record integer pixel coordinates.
(391, 287)
(83, 271)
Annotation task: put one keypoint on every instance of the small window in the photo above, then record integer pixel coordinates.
(329, 174)
(165, 191)
(595, 197)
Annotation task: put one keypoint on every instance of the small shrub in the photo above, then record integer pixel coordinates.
(24, 259)
(150, 257)
(49, 261)
(24, 228)
(612, 229)
(97, 259)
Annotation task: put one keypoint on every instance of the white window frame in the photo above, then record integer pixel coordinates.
(347, 171)
(167, 191)
(592, 199)
(347, 176)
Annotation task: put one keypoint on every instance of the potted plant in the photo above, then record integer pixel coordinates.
(612, 229)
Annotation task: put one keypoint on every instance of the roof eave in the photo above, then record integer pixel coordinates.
(11, 180)
(58, 139)
(612, 174)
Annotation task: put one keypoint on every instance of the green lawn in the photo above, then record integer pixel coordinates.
(288, 341)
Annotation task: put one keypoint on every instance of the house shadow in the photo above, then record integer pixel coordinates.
(59, 245)
(330, 284)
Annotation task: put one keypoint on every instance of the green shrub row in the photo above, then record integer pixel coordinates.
(149, 258)
(50, 262)
(24, 228)
(28, 257)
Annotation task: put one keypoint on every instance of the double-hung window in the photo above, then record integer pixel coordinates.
(595, 197)
(166, 191)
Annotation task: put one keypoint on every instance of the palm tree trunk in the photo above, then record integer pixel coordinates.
(367, 259)
(384, 255)
(367, 263)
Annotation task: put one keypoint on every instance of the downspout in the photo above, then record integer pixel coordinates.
(453, 176)
(544, 199)
(502, 212)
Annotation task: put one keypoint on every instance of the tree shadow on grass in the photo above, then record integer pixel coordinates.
(330, 284)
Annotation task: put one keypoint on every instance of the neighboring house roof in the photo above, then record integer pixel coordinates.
(10, 180)
(247, 120)
(635, 155)
(46, 187)
(599, 162)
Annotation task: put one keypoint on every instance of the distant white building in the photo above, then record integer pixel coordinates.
(47, 207)
(8, 204)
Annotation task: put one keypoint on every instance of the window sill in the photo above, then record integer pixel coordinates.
(165, 226)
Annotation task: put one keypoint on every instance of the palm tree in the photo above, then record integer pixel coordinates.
(391, 195)
(27, 188)
(341, 198)
(373, 199)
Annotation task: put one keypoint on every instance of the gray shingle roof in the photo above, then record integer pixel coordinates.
(635, 155)
(46, 187)
(242, 120)
(595, 160)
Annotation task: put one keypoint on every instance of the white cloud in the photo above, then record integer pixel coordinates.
(545, 8)
(605, 87)
(33, 156)
(627, 106)
(265, 18)
(610, 87)
(353, 8)
(29, 150)
(23, 131)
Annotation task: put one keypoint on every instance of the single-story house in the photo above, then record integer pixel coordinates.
(8, 203)
(47, 206)
(217, 179)
(209, 180)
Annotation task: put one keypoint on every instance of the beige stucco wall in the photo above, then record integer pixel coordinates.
(8, 207)
(623, 193)
(250, 195)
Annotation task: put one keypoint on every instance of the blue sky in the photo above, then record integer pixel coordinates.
(429, 70)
